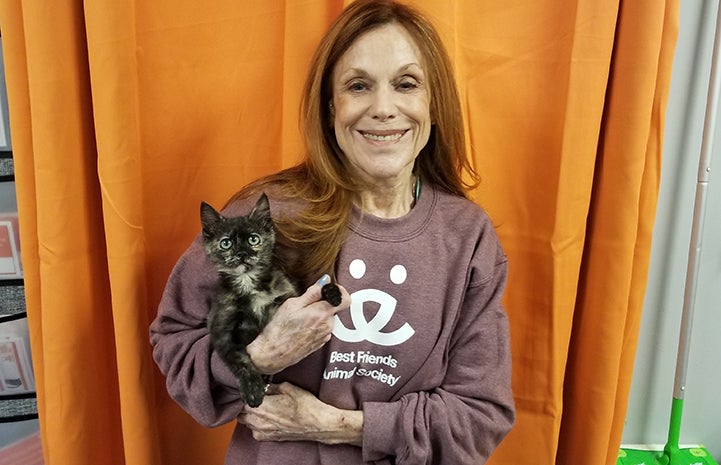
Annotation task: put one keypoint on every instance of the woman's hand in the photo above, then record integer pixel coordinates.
(300, 326)
(289, 413)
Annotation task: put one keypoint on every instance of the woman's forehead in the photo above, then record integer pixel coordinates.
(390, 45)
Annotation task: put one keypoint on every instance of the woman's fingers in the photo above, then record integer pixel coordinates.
(300, 326)
(324, 290)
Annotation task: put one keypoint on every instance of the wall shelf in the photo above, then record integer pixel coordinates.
(19, 406)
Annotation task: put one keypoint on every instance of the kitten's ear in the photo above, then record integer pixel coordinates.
(209, 217)
(262, 207)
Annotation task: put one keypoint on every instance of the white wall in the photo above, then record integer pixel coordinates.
(653, 378)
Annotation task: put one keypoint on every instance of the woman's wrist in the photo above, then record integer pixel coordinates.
(261, 354)
(343, 427)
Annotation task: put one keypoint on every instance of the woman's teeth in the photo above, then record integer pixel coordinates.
(383, 138)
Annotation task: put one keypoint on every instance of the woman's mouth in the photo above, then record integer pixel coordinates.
(384, 136)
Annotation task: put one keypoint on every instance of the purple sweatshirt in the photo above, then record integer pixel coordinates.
(424, 350)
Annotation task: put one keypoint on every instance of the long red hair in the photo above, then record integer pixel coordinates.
(322, 181)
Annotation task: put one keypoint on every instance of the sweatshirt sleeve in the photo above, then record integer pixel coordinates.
(196, 378)
(464, 419)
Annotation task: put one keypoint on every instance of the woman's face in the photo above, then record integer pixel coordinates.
(381, 105)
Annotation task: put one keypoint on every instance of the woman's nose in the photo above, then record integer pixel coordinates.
(383, 106)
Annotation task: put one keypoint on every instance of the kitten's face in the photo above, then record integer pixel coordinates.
(241, 244)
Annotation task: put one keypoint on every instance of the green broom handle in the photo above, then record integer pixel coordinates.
(694, 257)
(674, 433)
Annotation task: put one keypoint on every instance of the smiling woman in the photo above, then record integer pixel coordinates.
(370, 146)
(381, 113)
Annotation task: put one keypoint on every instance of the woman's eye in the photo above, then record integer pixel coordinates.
(407, 85)
(254, 240)
(357, 86)
(225, 244)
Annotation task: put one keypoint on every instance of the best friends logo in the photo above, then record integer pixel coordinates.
(366, 363)
(372, 330)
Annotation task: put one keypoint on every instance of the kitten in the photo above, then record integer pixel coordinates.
(252, 286)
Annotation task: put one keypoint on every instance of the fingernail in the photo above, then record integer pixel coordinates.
(325, 279)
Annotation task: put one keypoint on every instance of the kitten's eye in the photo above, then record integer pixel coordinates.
(225, 244)
(254, 240)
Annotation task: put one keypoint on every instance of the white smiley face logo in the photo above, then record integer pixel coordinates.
(372, 330)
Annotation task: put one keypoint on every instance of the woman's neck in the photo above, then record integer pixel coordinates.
(390, 201)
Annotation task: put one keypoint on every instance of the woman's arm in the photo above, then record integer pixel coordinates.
(195, 376)
(289, 413)
(464, 419)
(299, 327)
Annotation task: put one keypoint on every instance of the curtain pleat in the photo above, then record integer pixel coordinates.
(618, 240)
(536, 105)
(69, 300)
(125, 115)
(16, 79)
(111, 45)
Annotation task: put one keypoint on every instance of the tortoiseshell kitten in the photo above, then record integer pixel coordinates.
(252, 286)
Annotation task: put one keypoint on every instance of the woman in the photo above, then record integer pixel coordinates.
(416, 370)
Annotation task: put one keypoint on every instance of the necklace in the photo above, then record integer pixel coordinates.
(416, 191)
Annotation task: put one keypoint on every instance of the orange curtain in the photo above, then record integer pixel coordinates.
(126, 114)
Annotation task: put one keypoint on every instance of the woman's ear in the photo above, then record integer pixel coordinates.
(331, 113)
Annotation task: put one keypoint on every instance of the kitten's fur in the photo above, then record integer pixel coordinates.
(252, 286)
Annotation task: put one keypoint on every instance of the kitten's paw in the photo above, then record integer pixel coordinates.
(254, 394)
(331, 294)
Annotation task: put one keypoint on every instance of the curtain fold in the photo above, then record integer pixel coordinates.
(125, 115)
(618, 240)
(68, 289)
(111, 45)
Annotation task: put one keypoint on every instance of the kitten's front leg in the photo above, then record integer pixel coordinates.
(229, 334)
(252, 383)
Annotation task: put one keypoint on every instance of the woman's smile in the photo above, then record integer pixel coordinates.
(382, 136)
